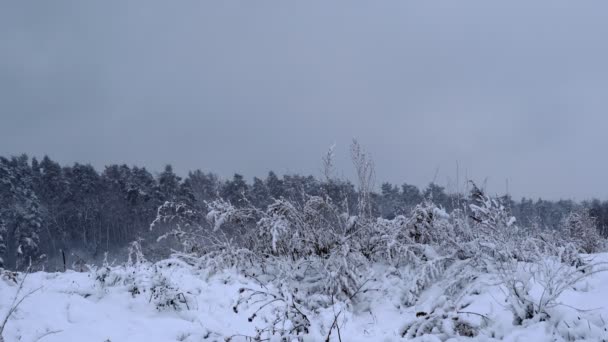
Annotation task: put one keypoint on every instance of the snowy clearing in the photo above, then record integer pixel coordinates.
(126, 306)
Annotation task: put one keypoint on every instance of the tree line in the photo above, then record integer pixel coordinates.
(47, 209)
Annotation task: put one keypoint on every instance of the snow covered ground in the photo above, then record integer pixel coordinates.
(171, 301)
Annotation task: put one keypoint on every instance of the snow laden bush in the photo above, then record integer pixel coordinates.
(287, 317)
(317, 254)
(314, 255)
(534, 268)
(141, 278)
(183, 223)
(581, 228)
(419, 248)
(325, 256)
(532, 289)
(315, 237)
(444, 321)
(493, 227)
(309, 253)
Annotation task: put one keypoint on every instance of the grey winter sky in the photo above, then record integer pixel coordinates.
(510, 89)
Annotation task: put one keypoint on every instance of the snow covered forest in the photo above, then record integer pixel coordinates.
(125, 255)
(48, 208)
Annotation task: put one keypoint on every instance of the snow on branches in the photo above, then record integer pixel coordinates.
(307, 255)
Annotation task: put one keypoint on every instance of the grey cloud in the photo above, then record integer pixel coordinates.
(509, 90)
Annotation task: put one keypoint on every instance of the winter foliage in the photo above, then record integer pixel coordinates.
(308, 261)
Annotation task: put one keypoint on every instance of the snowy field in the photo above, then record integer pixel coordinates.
(315, 273)
(173, 301)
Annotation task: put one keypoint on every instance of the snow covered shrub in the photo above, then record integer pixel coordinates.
(221, 212)
(516, 285)
(500, 240)
(345, 273)
(539, 245)
(219, 254)
(288, 318)
(534, 267)
(135, 254)
(316, 282)
(409, 240)
(146, 280)
(491, 221)
(428, 225)
(106, 276)
(183, 222)
(206, 246)
(8, 276)
(329, 241)
(577, 327)
(310, 254)
(312, 229)
(198, 238)
(311, 250)
(315, 232)
(142, 278)
(165, 294)
(444, 321)
(581, 228)
(175, 212)
(532, 289)
(421, 248)
(283, 229)
(426, 274)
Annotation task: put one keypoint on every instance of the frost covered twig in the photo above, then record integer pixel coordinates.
(52, 332)
(15, 303)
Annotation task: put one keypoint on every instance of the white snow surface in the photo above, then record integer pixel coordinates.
(74, 306)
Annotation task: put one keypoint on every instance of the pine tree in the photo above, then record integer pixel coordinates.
(260, 195)
(275, 185)
(436, 194)
(84, 202)
(51, 188)
(168, 184)
(236, 191)
(204, 186)
(20, 216)
(410, 196)
(389, 202)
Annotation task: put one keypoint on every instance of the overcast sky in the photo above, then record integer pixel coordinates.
(513, 90)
